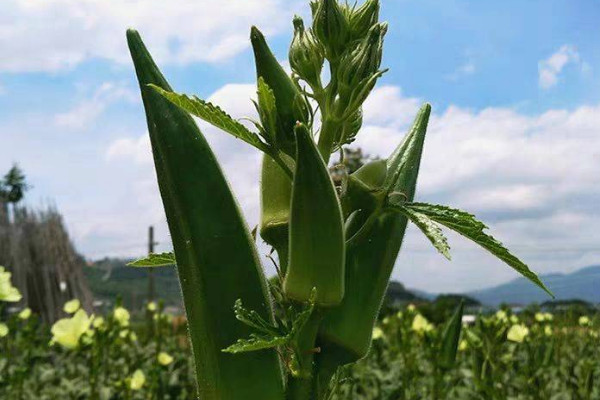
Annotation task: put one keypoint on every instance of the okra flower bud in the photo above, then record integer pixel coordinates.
(331, 27)
(363, 18)
(290, 104)
(306, 54)
(351, 127)
(363, 62)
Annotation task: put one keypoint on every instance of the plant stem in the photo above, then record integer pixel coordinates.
(326, 138)
(302, 386)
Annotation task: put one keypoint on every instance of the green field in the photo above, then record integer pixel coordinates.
(532, 355)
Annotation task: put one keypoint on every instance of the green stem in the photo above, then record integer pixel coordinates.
(302, 386)
(326, 138)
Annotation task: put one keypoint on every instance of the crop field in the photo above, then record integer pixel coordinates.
(533, 355)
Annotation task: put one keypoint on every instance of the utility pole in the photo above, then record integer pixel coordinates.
(151, 244)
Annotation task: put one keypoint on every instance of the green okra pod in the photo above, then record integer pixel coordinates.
(450, 338)
(275, 198)
(316, 258)
(345, 334)
(290, 103)
(216, 258)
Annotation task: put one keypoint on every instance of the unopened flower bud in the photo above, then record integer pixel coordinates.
(364, 61)
(363, 18)
(306, 54)
(331, 27)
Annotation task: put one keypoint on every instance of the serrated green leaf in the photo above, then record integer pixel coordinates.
(155, 260)
(214, 115)
(267, 108)
(253, 319)
(255, 343)
(429, 228)
(468, 226)
(302, 317)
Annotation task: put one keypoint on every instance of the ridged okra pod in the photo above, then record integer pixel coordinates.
(316, 258)
(346, 330)
(216, 258)
(290, 104)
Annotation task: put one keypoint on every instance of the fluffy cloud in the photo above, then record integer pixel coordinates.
(550, 68)
(50, 35)
(533, 178)
(86, 112)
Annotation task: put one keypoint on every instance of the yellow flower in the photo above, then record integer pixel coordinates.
(133, 337)
(25, 313)
(3, 329)
(122, 316)
(517, 333)
(584, 320)
(514, 319)
(386, 320)
(164, 358)
(377, 333)
(151, 306)
(7, 291)
(547, 330)
(68, 331)
(98, 323)
(411, 307)
(399, 315)
(463, 345)
(420, 324)
(137, 380)
(548, 316)
(539, 317)
(72, 306)
(123, 334)
(501, 316)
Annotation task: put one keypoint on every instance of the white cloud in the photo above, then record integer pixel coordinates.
(88, 110)
(550, 69)
(51, 35)
(533, 178)
(136, 149)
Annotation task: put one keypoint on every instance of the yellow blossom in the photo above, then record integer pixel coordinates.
(123, 334)
(411, 307)
(463, 345)
(151, 306)
(3, 329)
(539, 317)
(25, 313)
(399, 315)
(584, 320)
(547, 330)
(517, 333)
(138, 379)
(420, 324)
(377, 333)
(133, 336)
(164, 358)
(501, 316)
(514, 319)
(7, 291)
(72, 306)
(386, 320)
(122, 316)
(98, 323)
(68, 331)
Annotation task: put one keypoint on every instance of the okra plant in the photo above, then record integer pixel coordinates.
(336, 246)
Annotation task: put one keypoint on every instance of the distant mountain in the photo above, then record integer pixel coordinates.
(583, 284)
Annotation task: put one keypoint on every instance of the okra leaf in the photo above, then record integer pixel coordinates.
(253, 319)
(267, 107)
(214, 115)
(468, 226)
(450, 337)
(155, 260)
(255, 343)
(428, 227)
(302, 317)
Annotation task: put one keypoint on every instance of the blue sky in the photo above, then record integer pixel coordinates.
(515, 135)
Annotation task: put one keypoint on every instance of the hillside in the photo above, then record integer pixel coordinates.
(582, 284)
